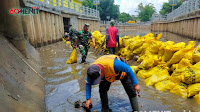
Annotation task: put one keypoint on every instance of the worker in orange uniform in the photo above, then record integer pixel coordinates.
(106, 70)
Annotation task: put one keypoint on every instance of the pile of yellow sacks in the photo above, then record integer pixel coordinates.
(165, 65)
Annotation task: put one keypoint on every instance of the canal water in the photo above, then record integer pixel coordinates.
(66, 84)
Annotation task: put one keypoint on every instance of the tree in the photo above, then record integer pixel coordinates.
(166, 8)
(106, 8)
(145, 12)
(124, 17)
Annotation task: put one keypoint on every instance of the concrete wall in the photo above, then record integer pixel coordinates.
(43, 28)
(94, 24)
(189, 27)
(125, 28)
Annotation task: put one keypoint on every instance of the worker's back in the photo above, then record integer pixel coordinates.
(112, 32)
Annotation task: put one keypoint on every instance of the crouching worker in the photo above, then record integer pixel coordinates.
(106, 70)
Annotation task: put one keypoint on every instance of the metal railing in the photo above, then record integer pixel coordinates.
(120, 23)
(58, 6)
(187, 7)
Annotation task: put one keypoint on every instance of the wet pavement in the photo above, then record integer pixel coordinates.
(66, 85)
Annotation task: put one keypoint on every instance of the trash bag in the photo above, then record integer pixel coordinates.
(135, 44)
(144, 74)
(67, 42)
(174, 67)
(154, 46)
(158, 36)
(179, 54)
(72, 59)
(161, 50)
(191, 74)
(180, 89)
(135, 69)
(171, 49)
(177, 76)
(147, 62)
(158, 74)
(189, 55)
(196, 54)
(165, 85)
(197, 98)
(141, 49)
(193, 89)
(184, 63)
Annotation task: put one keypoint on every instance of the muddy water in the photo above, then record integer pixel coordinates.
(66, 85)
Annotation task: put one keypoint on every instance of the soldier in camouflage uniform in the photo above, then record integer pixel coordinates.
(72, 35)
(82, 41)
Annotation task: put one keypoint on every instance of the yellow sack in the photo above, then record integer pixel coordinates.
(158, 36)
(135, 44)
(180, 89)
(177, 46)
(196, 54)
(72, 59)
(67, 42)
(191, 74)
(174, 67)
(193, 89)
(144, 74)
(188, 55)
(165, 85)
(184, 63)
(179, 54)
(147, 62)
(141, 49)
(197, 98)
(154, 46)
(177, 76)
(161, 50)
(134, 68)
(158, 74)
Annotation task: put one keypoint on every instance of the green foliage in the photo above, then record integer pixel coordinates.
(106, 8)
(166, 8)
(124, 17)
(145, 12)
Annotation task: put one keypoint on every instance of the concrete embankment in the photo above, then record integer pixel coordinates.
(21, 87)
(187, 25)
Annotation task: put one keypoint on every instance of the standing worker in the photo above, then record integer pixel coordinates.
(72, 34)
(112, 37)
(82, 41)
(106, 70)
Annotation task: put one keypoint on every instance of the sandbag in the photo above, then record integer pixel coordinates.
(141, 49)
(165, 85)
(161, 50)
(72, 59)
(193, 89)
(158, 74)
(135, 69)
(144, 74)
(197, 98)
(196, 54)
(135, 44)
(180, 89)
(147, 62)
(154, 46)
(191, 74)
(179, 54)
(177, 76)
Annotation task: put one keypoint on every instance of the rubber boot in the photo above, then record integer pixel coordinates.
(134, 104)
(104, 102)
(83, 59)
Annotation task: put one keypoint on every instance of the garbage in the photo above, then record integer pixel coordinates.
(155, 58)
(197, 98)
(158, 74)
(165, 85)
(193, 89)
(72, 59)
(180, 89)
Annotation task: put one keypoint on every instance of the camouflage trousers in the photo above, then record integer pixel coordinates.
(84, 51)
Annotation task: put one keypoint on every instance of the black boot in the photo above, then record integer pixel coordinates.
(83, 59)
(134, 104)
(104, 102)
